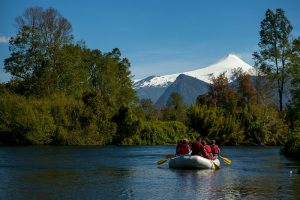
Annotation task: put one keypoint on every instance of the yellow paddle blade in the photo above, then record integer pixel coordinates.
(162, 161)
(169, 156)
(226, 160)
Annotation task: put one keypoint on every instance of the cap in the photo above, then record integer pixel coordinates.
(185, 141)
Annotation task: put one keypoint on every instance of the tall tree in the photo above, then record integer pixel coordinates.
(71, 74)
(295, 71)
(175, 109)
(110, 76)
(127, 124)
(295, 82)
(41, 33)
(245, 89)
(275, 30)
(292, 145)
(221, 94)
(148, 109)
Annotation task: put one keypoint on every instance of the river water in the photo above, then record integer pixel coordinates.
(51, 172)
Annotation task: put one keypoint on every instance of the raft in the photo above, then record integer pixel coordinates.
(193, 162)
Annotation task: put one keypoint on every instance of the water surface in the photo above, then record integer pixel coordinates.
(51, 172)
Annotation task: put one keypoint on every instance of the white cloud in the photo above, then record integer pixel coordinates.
(4, 39)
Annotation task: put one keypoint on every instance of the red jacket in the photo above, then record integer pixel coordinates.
(215, 150)
(197, 148)
(208, 154)
(183, 149)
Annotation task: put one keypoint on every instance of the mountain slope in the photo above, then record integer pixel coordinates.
(188, 87)
(151, 92)
(148, 91)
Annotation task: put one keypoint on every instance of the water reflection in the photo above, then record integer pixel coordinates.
(132, 173)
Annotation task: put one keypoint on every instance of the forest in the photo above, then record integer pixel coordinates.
(64, 93)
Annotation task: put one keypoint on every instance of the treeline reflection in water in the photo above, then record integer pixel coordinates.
(46, 172)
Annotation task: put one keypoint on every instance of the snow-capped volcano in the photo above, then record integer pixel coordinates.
(226, 64)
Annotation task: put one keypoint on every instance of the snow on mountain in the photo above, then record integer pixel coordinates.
(226, 64)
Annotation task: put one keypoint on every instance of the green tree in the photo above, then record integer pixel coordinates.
(213, 122)
(127, 124)
(292, 146)
(221, 94)
(110, 76)
(41, 34)
(175, 101)
(275, 30)
(295, 71)
(175, 108)
(96, 115)
(294, 104)
(25, 121)
(148, 109)
(244, 87)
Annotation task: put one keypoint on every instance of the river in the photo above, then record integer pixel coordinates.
(91, 172)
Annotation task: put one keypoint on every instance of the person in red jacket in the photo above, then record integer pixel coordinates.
(183, 148)
(197, 147)
(207, 151)
(215, 149)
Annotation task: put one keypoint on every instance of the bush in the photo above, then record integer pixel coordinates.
(262, 126)
(292, 146)
(212, 122)
(57, 120)
(24, 121)
(158, 133)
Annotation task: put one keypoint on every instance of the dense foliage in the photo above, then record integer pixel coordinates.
(63, 93)
(160, 132)
(59, 119)
(292, 147)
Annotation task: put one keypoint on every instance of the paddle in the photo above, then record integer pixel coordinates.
(226, 160)
(168, 157)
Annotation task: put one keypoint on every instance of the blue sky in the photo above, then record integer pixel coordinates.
(158, 36)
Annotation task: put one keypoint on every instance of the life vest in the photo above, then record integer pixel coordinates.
(182, 149)
(208, 154)
(215, 150)
(197, 148)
